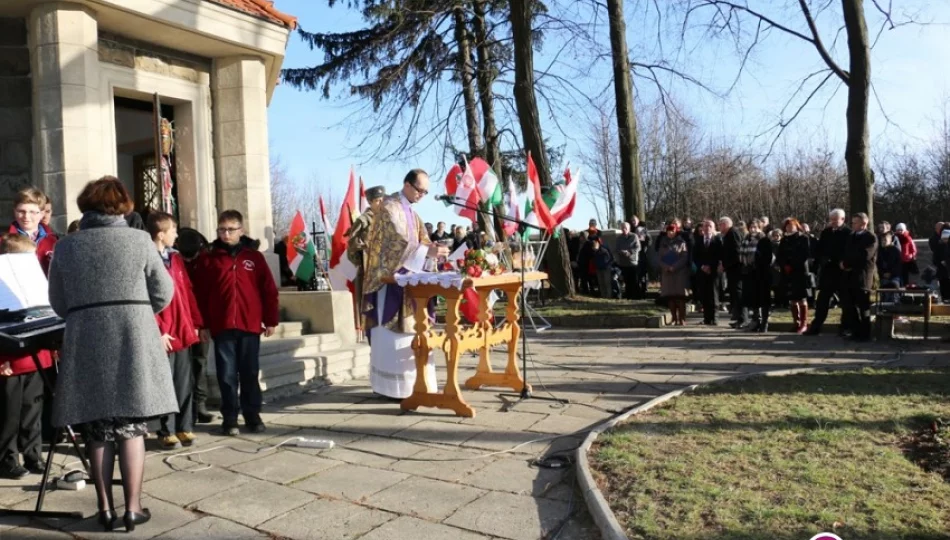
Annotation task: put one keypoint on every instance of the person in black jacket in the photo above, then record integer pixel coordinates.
(792, 260)
(755, 255)
(732, 268)
(889, 265)
(707, 255)
(859, 264)
(643, 261)
(938, 249)
(828, 254)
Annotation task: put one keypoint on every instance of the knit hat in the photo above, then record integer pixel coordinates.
(901, 227)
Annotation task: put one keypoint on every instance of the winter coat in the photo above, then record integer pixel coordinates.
(710, 255)
(628, 250)
(108, 282)
(907, 246)
(44, 244)
(602, 259)
(860, 260)
(889, 263)
(828, 253)
(674, 264)
(730, 249)
(235, 288)
(757, 259)
(792, 260)
(182, 318)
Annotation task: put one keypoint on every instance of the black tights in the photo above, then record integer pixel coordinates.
(131, 466)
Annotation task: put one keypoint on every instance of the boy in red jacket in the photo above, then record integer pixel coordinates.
(238, 299)
(21, 393)
(179, 324)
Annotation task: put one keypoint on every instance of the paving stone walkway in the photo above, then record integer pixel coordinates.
(428, 474)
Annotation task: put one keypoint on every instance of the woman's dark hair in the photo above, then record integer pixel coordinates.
(106, 195)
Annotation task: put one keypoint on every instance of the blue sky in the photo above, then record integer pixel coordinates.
(314, 138)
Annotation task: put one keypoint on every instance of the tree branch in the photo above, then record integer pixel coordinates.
(816, 41)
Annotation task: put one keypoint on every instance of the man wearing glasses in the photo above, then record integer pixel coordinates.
(397, 243)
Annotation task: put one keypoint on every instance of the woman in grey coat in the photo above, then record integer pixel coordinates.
(674, 273)
(108, 282)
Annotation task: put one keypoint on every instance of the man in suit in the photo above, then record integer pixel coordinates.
(829, 253)
(732, 268)
(859, 264)
(707, 256)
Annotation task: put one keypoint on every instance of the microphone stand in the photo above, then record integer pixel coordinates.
(523, 227)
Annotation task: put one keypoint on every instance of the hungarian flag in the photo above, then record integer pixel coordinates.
(489, 187)
(464, 188)
(300, 249)
(535, 209)
(364, 204)
(563, 207)
(342, 270)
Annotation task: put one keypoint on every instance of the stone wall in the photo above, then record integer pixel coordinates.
(16, 119)
(133, 54)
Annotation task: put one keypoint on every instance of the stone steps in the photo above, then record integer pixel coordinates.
(291, 360)
(284, 373)
(285, 330)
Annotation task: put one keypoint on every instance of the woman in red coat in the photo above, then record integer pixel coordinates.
(908, 253)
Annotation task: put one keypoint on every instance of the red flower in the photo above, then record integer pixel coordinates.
(471, 271)
(478, 272)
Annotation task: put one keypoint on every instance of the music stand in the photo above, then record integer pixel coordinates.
(38, 512)
(523, 226)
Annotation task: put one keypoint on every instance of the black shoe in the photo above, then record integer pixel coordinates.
(763, 328)
(812, 331)
(258, 427)
(15, 472)
(230, 430)
(753, 326)
(35, 467)
(107, 519)
(202, 416)
(132, 519)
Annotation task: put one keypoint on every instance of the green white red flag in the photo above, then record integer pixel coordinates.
(535, 209)
(300, 249)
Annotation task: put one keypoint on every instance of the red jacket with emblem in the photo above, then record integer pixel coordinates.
(44, 248)
(181, 318)
(235, 288)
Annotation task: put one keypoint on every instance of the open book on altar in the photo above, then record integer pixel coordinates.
(23, 284)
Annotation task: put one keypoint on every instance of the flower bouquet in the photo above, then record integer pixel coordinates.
(478, 262)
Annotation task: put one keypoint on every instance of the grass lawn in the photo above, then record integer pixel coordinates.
(784, 458)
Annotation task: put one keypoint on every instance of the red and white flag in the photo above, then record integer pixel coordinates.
(342, 270)
(464, 188)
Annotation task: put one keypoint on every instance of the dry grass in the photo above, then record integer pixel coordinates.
(782, 458)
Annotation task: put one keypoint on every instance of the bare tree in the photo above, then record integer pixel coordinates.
(602, 182)
(727, 18)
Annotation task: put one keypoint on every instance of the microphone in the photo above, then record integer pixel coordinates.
(446, 198)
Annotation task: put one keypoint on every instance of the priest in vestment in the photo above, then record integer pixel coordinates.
(397, 243)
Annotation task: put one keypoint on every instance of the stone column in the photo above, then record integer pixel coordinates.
(16, 122)
(242, 171)
(67, 130)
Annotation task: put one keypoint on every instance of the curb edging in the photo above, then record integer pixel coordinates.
(604, 518)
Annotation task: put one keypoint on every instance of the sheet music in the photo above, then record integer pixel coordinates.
(416, 260)
(22, 282)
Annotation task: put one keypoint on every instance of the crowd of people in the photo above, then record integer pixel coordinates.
(120, 280)
(749, 269)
